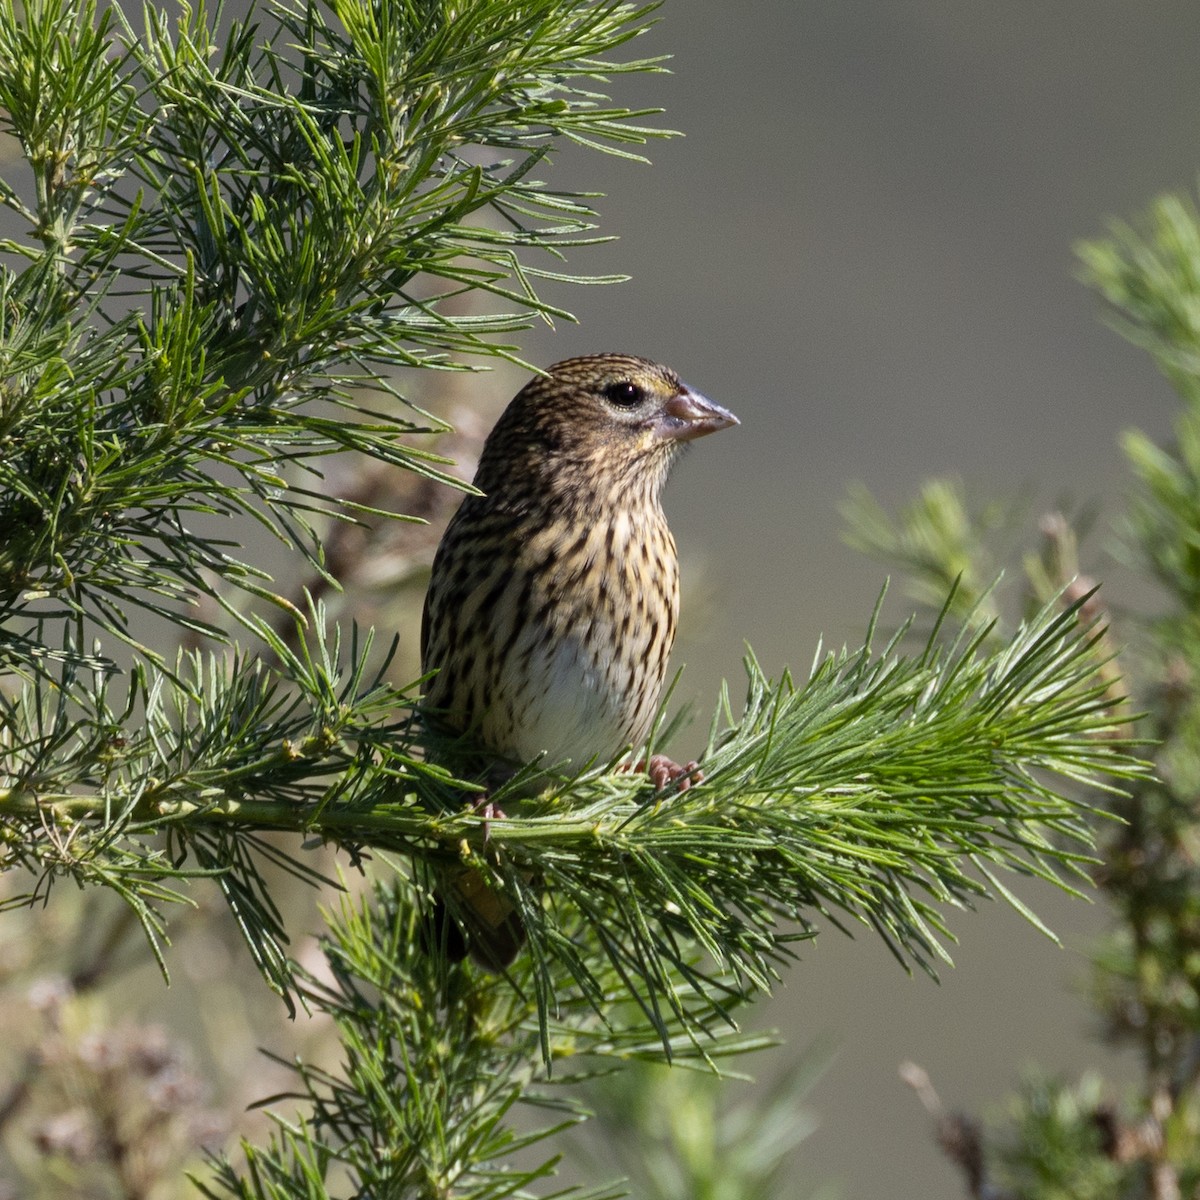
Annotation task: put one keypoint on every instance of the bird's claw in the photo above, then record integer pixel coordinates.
(664, 771)
(490, 812)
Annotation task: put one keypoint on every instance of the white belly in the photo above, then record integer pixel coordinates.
(571, 714)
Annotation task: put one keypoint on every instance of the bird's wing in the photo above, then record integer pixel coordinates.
(424, 630)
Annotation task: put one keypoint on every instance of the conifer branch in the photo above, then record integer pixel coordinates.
(884, 789)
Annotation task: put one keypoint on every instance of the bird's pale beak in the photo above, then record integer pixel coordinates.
(687, 415)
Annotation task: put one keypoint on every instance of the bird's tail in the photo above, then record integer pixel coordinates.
(474, 919)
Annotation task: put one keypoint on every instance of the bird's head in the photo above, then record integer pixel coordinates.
(597, 423)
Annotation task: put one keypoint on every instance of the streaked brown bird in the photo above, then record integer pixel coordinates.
(552, 606)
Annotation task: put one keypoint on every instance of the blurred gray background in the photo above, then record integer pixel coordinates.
(863, 246)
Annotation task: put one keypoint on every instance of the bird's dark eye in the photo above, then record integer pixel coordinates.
(624, 394)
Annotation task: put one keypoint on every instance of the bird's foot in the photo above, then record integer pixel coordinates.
(664, 771)
(490, 812)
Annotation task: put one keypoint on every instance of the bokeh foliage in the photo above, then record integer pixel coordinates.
(1079, 1138)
